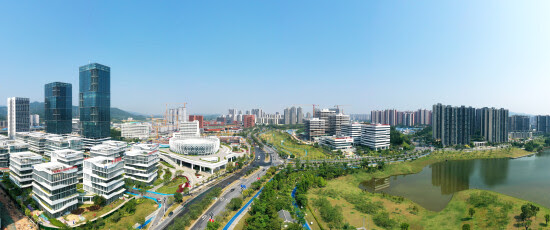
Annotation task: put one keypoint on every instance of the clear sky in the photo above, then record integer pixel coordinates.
(271, 54)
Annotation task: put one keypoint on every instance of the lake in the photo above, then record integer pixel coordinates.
(526, 178)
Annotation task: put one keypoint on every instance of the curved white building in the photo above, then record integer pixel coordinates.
(195, 145)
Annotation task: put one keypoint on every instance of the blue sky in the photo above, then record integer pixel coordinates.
(272, 54)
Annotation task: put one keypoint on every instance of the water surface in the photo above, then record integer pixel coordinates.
(526, 178)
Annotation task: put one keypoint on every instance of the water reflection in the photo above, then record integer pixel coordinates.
(433, 187)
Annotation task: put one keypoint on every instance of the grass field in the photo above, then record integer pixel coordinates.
(283, 141)
(90, 215)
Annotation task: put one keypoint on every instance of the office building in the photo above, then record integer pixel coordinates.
(54, 143)
(337, 143)
(324, 114)
(141, 163)
(104, 176)
(314, 128)
(353, 130)
(58, 107)
(112, 149)
(293, 118)
(542, 123)
(188, 129)
(21, 164)
(18, 116)
(133, 130)
(335, 123)
(8, 147)
(287, 117)
(36, 140)
(494, 125)
(519, 123)
(54, 188)
(248, 121)
(376, 136)
(69, 157)
(95, 103)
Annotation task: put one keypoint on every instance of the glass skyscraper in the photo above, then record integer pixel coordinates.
(58, 107)
(95, 100)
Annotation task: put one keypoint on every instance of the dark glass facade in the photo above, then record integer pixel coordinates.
(95, 100)
(58, 111)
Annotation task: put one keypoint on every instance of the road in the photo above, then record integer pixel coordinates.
(235, 191)
(222, 184)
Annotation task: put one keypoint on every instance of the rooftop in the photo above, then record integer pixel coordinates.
(53, 167)
(25, 155)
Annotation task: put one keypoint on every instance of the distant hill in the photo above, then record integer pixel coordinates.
(38, 108)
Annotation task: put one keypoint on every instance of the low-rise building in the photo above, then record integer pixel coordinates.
(54, 143)
(520, 135)
(21, 164)
(8, 147)
(337, 142)
(54, 188)
(69, 157)
(353, 130)
(36, 140)
(133, 130)
(114, 149)
(104, 176)
(141, 163)
(376, 136)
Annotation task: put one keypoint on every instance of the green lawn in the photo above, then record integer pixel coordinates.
(172, 186)
(143, 209)
(284, 141)
(90, 215)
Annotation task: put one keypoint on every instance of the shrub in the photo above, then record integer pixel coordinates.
(99, 200)
(383, 220)
(482, 199)
(178, 197)
(77, 211)
(116, 217)
(235, 204)
(93, 208)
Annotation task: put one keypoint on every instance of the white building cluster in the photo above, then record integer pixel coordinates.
(141, 163)
(54, 188)
(138, 130)
(104, 176)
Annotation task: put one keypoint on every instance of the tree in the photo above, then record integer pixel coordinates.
(547, 218)
(235, 204)
(178, 197)
(528, 210)
(186, 190)
(466, 227)
(212, 225)
(471, 212)
(404, 226)
(116, 217)
(527, 224)
(99, 200)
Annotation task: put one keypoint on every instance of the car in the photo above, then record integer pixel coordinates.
(233, 189)
(170, 214)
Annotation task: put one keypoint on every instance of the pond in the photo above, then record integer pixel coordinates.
(526, 178)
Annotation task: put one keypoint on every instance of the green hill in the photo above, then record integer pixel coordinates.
(38, 108)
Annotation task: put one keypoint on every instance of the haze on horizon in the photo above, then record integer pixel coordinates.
(256, 54)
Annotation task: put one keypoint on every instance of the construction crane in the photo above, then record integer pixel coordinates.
(338, 107)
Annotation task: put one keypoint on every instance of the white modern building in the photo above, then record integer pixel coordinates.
(69, 157)
(34, 120)
(36, 140)
(195, 146)
(337, 142)
(376, 136)
(18, 116)
(21, 168)
(114, 149)
(104, 176)
(353, 130)
(141, 163)
(8, 147)
(54, 188)
(57, 142)
(133, 130)
(188, 129)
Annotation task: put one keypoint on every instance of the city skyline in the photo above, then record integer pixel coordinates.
(471, 53)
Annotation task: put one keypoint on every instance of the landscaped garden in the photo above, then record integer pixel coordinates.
(286, 145)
